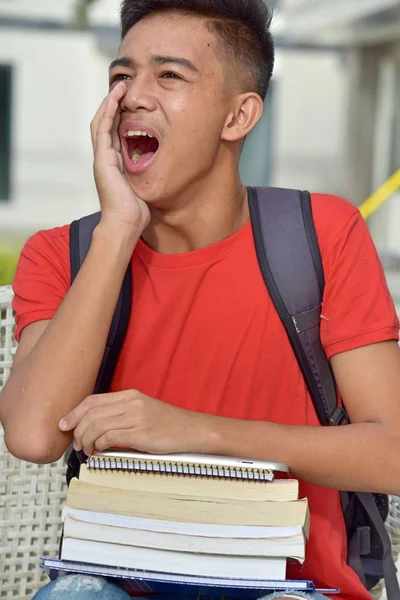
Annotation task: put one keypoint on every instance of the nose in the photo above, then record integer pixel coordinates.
(139, 96)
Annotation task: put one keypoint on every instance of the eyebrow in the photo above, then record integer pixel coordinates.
(157, 59)
(121, 62)
(183, 62)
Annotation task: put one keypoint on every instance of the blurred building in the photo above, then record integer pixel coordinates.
(331, 123)
(52, 79)
(367, 36)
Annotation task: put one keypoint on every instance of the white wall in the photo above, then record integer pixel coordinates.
(60, 79)
(104, 11)
(310, 121)
(60, 9)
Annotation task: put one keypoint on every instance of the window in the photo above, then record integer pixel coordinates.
(396, 121)
(5, 131)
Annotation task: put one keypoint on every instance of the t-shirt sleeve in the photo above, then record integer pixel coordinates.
(42, 278)
(358, 309)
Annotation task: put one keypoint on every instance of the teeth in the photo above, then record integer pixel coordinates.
(136, 156)
(138, 133)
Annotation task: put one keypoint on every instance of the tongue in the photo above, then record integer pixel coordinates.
(145, 148)
(146, 156)
(138, 156)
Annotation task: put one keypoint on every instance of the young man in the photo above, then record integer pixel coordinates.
(206, 366)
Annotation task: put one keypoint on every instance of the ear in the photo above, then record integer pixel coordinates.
(244, 116)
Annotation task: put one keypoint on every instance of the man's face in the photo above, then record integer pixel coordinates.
(177, 93)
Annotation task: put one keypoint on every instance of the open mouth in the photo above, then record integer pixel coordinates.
(141, 147)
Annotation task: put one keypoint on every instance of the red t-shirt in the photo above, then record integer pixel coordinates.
(205, 336)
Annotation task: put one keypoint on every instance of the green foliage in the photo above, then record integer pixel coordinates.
(81, 14)
(8, 264)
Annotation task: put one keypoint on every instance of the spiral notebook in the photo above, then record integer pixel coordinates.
(185, 465)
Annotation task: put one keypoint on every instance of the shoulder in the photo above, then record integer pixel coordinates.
(329, 205)
(358, 309)
(56, 238)
(45, 254)
(332, 214)
(43, 276)
(48, 249)
(336, 220)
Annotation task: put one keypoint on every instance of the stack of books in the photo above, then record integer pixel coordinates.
(184, 520)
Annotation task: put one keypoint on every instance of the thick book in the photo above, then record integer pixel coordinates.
(272, 542)
(177, 563)
(151, 582)
(278, 490)
(175, 507)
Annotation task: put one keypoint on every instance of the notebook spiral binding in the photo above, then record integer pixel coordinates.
(184, 469)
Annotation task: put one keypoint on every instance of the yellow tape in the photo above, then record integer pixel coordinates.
(386, 191)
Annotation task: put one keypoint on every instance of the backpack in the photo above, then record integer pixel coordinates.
(294, 276)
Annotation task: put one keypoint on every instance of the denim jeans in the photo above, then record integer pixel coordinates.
(85, 587)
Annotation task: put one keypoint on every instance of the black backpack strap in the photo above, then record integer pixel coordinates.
(80, 239)
(370, 565)
(291, 265)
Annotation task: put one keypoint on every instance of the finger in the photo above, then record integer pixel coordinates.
(73, 418)
(103, 136)
(90, 423)
(116, 142)
(95, 123)
(91, 418)
(117, 93)
(115, 438)
(105, 131)
(107, 118)
(100, 428)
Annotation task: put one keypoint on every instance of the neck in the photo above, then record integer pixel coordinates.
(204, 215)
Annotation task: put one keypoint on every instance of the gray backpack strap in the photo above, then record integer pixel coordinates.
(80, 239)
(291, 265)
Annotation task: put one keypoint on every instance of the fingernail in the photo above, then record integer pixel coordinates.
(63, 425)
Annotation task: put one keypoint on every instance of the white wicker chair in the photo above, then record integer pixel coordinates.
(32, 497)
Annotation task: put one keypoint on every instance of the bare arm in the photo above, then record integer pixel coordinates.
(57, 362)
(56, 365)
(363, 456)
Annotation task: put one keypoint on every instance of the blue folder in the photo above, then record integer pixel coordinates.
(148, 583)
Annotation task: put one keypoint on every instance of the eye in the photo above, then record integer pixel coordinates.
(170, 75)
(119, 77)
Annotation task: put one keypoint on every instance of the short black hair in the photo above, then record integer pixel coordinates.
(242, 27)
